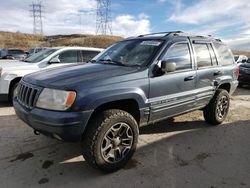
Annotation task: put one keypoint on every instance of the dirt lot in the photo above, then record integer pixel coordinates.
(182, 152)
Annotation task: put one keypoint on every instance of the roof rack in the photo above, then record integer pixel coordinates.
(162, 33)
(178, 33)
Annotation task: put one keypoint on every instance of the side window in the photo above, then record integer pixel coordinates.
(180, 54)
(203, 58)
(212, 54)
(88, 55)
(224, 54)
(68, 56)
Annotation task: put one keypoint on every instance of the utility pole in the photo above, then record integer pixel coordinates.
(103, 17)
(36, 13)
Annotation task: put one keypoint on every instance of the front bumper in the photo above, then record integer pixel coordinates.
(68, 126)
(244, 78)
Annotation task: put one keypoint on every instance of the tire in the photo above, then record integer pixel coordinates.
(217, 109)
(13, 91)
(110, 140)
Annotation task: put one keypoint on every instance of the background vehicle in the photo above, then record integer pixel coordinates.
(244, 77)
(13, 54)
(136, 82)
(11, 73)
(239, 59)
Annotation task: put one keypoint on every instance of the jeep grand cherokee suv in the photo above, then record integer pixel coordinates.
(135, 82)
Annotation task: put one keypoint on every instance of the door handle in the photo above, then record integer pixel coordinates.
(218, 73)
(189, 78)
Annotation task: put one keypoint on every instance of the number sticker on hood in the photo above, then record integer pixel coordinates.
(150, 43)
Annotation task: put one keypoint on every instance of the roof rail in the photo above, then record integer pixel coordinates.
(163, 33)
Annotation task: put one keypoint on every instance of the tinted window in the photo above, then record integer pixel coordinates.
(14, 52)
(224, 54)
(88, 55)
(203, 58)
(68, 56)
(179, 54)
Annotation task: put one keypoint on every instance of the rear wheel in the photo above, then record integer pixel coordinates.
(217, 109)
(110, 140)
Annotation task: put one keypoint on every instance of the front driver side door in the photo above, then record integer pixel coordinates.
(172, 93)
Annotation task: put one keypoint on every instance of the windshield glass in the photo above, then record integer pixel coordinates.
(40, 56)
(129, 53)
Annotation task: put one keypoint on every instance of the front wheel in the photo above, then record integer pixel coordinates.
(110, 140)
(217, 109)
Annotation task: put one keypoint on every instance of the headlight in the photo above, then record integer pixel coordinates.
(53, 99)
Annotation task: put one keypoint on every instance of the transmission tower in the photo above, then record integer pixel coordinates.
(36, 12)
(103, 17)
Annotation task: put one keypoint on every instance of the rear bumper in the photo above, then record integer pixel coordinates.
(68, 126)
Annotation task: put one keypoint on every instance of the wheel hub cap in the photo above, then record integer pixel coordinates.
(117, 142)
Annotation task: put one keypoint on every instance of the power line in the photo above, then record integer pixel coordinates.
(36, 12)
(103, 17)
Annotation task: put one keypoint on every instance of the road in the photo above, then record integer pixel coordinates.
(181, 152)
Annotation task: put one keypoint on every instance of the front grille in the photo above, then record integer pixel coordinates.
(27, 95)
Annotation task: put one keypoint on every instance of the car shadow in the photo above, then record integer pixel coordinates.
(167, 159)
(5, 104)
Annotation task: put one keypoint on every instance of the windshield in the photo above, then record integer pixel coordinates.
(129, 53)
(40, 56)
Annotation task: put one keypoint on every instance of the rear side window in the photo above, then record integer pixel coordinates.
(225, 56)
(68, 56)
(88, 55)
(180, 54)
(203, 57)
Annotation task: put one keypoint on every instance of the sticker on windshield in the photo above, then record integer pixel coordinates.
(150, 43)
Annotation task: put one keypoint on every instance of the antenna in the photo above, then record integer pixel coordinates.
(36, 12)
(103, 18)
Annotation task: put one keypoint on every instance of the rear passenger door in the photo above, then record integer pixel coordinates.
(172, 93)
(207, 71)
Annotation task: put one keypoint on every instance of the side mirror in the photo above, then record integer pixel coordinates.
(167, 66)
(54, 60)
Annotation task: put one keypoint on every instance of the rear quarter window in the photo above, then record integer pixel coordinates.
(225, 56)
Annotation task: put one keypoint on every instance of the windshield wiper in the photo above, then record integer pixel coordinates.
(109, 61)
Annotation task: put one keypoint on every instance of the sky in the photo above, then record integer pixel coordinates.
(226, 19)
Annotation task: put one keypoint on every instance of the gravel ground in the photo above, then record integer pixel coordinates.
(181, 152)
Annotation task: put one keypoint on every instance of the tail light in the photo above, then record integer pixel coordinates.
(237, 72)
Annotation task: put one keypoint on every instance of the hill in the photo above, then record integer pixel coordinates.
(26, 41)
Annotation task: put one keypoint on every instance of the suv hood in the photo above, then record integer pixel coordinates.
(75, 75)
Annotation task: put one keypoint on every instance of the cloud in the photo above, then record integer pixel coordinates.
(67, 17)
(207, 10)
(127, 25)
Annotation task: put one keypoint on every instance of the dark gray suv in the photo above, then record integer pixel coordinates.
(135, 82)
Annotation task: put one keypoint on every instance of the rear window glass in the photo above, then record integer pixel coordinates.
(202, 55)
(225, 56)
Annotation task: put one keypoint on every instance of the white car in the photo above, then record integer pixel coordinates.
(11, 73)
